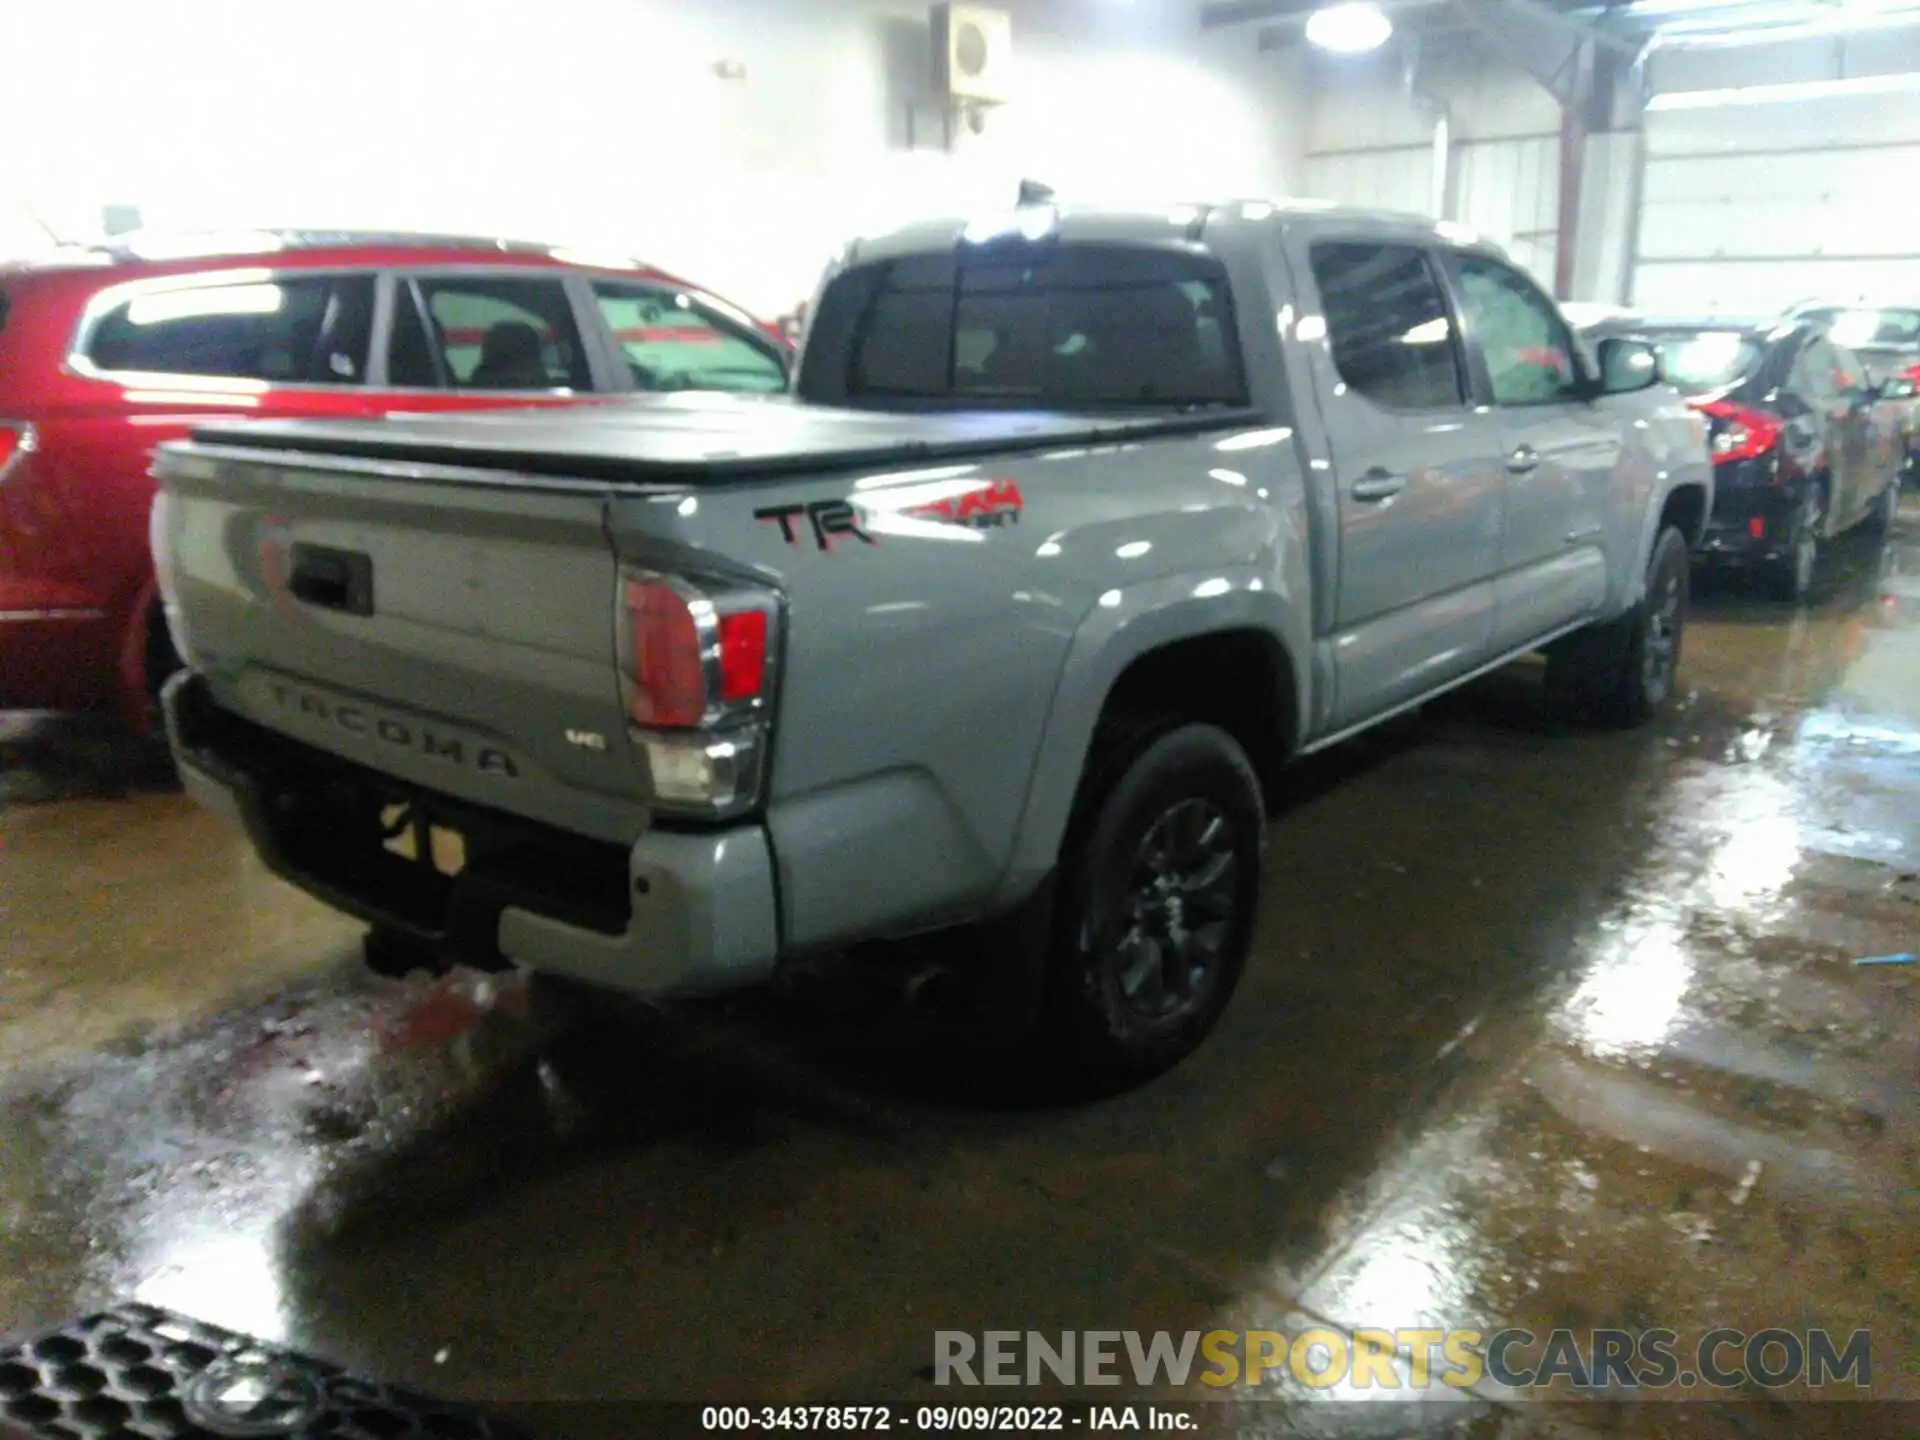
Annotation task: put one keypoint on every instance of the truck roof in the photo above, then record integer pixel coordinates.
(1185, 220)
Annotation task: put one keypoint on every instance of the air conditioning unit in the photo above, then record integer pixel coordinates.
(973, 53)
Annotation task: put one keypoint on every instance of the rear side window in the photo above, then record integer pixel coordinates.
(1387, 321)
(670, 344)
(1080, 327)
(494, 333)
(311, 330)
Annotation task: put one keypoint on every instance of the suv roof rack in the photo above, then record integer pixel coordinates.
(192, 244)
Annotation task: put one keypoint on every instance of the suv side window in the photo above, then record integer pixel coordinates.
(1528, 350)
(293, 330)
(1849, 376)
(1393, 340)
(487, 332)
(670, 344)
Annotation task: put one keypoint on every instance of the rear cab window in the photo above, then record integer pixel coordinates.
(1073, 327)
(296, 330)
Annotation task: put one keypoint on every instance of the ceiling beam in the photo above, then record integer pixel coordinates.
(1221, 13)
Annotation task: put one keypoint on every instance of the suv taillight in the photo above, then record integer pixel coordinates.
(697, 665)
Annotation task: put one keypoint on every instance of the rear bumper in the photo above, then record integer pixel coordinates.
(677, 914)
(1750, 524)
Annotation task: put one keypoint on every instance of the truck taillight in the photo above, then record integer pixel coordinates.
(670, 687)
(743, 655)
(698, 669)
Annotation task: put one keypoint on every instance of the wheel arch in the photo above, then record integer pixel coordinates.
(1229, 658)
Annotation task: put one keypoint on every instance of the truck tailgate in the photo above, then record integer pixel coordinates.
(458, 637)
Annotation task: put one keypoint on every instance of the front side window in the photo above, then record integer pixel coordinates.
(1393, 340)
(1529, 354)
(1849, 375)
(1816, 374)
(1085, 327)
(299, 330)
(669, 343)
(487, 333)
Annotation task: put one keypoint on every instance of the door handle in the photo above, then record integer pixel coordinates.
(1523, 460)
(1378, 484)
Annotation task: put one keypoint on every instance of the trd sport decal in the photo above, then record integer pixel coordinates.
(828, 518)
(995, 504)
(988, 507)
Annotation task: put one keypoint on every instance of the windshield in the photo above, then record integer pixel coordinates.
(1869, 327)
(1706, 360)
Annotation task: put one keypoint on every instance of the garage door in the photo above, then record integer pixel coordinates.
(1750, 208)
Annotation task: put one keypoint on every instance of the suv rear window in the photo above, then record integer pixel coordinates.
(310, 330)
(1082, 327)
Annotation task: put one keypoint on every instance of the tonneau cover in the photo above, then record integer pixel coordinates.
(689, 438)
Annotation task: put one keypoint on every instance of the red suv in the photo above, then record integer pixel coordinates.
(106, 353)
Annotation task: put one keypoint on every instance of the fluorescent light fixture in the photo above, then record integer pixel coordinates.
(1785, 93)
(1351, 28)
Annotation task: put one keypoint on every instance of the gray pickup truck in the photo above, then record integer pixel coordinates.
(1077, 528)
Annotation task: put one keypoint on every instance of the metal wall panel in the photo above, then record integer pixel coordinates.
(1396, 179)
(1748, 209)
(1508, 190)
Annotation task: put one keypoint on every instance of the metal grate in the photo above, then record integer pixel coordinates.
(141, 1373)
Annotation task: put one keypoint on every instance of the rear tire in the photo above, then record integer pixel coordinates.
(1622, 672)
(1887, 509)
(1791, 578)
(1154, 912)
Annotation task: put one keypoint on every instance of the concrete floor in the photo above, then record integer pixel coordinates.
(1544, 1027)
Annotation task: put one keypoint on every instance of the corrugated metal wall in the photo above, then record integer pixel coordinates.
(1369, 145)
(1743, 213)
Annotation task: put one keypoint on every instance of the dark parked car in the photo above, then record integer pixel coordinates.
(1803, 448)
(104, 353)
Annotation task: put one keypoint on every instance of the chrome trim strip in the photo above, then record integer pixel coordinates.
(82, 613)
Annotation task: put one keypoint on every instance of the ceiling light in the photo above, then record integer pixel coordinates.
(1349, 29)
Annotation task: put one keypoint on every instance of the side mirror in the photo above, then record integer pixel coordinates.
(1627, 365)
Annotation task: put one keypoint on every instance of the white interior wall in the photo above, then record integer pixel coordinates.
(1369, 144)
(1749, 208)
(603, 122)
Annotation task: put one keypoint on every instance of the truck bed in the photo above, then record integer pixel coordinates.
(697, 440)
